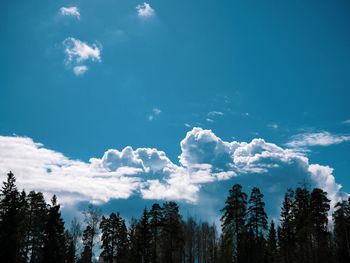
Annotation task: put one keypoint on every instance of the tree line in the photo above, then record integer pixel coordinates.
(33, 231)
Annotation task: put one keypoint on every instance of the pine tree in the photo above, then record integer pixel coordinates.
(172, 234)
(69, 247)
(272, 244)
(302, 215)
(341, 218)
(319, 208)
(144, 230)
(36, 221)
(10, 206)
(156, 223)
(287, 231)
(233, 221)
(257, 218)
(88, 236)
(114, 238)
(54, 241)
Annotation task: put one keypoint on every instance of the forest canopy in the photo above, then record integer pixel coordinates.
(32, 230)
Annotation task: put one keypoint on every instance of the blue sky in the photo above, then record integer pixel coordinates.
(83, 77)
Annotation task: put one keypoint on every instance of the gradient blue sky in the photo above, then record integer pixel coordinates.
(273, 69)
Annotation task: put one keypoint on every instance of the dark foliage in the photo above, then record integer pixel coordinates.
(33, 231)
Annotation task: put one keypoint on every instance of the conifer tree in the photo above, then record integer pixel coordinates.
(257, 218)
(172, 234)
(287, 231)
(54, 240)
(10, 206)
(319, 208)
(272, 244)
(341, 218)
(233, 221)
(156, 223)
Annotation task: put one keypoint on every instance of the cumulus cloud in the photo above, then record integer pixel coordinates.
(145, 10)
(323, 138)
(78, 52)
(206, 162)
(70, 11)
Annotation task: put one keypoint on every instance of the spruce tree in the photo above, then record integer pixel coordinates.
(10, 205)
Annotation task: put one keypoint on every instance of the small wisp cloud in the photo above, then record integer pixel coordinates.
(71, 11)
(78, 52)
(145, 10)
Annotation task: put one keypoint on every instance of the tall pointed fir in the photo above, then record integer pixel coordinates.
(9, 220)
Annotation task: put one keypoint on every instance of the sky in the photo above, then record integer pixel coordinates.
(126, 103)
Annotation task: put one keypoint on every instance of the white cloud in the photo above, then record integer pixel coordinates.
(273, 125)
(205, 160)
(323, 138)
(155, 112)
(145, 10)
(346, 122)
(209, 120)
(80, 70)
(215, 113)
(70, 11)
(78, 51)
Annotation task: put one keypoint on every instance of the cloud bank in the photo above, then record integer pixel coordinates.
(205, 162)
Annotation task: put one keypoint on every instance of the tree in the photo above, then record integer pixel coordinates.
(272, 244)
(302, 217)
(92, 217)
(144, 230)
(76, 233)
(10, 205)
(233, 221)
(257, 218)
(37, 213)
(114, 238)
(341, 219)
(287, 231)
(156, 223)
(319, 208)
(54, 240)
(88, 236)
(69, 247)
(172, 234)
